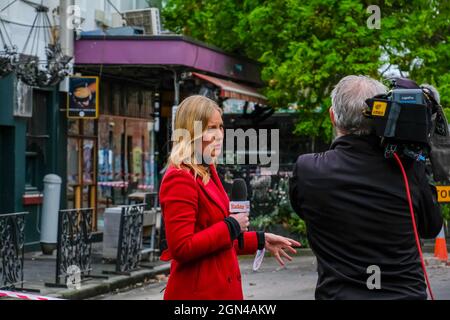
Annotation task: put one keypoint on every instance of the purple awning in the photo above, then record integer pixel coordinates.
(165, 51)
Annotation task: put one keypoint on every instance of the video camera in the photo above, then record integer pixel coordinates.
(412, 123)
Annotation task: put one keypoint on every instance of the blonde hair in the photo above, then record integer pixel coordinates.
(183, 155)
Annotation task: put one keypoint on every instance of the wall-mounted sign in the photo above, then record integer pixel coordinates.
(83, 98)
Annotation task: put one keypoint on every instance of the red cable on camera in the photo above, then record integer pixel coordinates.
(416, 234)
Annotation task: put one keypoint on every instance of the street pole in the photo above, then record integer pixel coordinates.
(154, 130)
(176, 98)
(66, 36)
(174, 108)
(67, 33)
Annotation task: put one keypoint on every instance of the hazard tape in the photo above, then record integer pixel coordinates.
(120, 174)
(114, 184)
(24, 296)
(121, 184)
(146, 187)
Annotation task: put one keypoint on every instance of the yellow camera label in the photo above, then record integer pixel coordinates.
(379, 108)
(443, 193)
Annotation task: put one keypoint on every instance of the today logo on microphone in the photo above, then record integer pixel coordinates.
(239, 206)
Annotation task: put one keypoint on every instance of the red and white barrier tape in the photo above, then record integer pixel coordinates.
(121, 184)
(114, 184)
(24, 296)
(145, 187)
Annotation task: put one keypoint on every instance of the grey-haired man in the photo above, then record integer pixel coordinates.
(354, 204)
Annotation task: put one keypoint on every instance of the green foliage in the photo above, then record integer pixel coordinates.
(210, 21)
(306, 47)
(284, 216)
(445, 208)
(447, 113)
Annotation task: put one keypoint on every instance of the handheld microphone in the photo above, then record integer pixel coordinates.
(239, 202)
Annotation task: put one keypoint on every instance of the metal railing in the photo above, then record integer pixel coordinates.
(74, 250)
(12, 250)
(129, 248)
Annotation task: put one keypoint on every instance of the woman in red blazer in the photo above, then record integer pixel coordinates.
(201, 234)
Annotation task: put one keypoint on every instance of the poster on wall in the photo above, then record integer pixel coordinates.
(83, 98)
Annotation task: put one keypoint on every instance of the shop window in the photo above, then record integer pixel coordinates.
(36, 141)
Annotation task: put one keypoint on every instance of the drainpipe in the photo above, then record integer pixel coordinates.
(67, 14)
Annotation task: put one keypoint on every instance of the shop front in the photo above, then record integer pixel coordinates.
(109, 158)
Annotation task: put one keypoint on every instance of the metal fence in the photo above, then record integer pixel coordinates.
(74, 251)
(130, 238)
(12, 250)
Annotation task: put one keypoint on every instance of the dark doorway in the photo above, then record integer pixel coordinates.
(7, 169)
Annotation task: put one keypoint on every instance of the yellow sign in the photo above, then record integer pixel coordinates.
(443, 193)
(379, 108)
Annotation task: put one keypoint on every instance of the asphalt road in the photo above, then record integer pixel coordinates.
(294, 282)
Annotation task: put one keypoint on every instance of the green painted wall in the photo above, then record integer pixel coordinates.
(13, 156)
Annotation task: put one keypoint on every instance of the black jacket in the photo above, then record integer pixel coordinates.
(354, 203)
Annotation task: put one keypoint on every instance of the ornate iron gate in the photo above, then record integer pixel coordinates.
(130, 238)
(12, 246)
(75, 228)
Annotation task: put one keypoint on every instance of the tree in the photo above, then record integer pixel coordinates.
(306, 47)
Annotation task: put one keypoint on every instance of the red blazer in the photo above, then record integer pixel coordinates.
(204, 258)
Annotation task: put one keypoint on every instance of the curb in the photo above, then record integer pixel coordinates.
(112, 284)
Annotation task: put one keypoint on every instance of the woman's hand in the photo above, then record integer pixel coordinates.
(277, 244)
(242, 219)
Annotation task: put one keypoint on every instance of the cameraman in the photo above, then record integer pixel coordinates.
(354, 203)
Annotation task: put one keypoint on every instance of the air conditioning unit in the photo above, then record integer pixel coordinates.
(149, 19)
(117, 20)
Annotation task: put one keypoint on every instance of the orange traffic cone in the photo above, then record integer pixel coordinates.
(440, 249)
